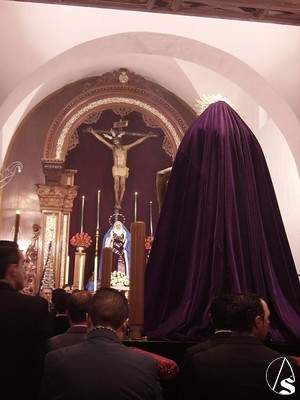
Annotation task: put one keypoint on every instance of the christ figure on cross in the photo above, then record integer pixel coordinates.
(119, 170)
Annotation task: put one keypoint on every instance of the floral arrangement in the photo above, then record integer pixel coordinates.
(81, 239)
(148, 242)
(119, 278)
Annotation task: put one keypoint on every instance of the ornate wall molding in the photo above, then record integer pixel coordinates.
(30, 265)
(58, 198)
(122, 92)
(120, 89)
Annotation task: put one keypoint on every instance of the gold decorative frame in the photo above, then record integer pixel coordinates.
(122, 90)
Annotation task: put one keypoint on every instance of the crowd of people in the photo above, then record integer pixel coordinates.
(63, 345)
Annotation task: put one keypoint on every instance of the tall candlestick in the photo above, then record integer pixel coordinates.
(135, 206)
(67, 270)
(82, 212)
(151, 225)
(106, 266)
(81, 273)
(17, 225)
(137, 278)
(98, 209)
(95, 273)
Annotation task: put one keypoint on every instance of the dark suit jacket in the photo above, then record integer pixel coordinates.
(60, 324)
(24, 328)
(238, 369)
(100, 367)
(74, 335)
(185, 383)
(217, 339)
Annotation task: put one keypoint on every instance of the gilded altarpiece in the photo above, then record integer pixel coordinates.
(121, 92)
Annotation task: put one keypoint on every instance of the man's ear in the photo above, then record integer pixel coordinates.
(124, 326)
(258, 322)
(11, 271)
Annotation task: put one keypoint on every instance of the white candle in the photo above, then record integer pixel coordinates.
(135, 206)
(95, 273)
(67, 270)
(82, 212)
(98, 209)
(80, 273)
(151, 226)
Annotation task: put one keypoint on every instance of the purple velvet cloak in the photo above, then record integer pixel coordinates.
(220, 230)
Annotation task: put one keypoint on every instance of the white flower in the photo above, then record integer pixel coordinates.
(119, 278)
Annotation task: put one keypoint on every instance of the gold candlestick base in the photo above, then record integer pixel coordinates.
(136, 332)
(78, 281)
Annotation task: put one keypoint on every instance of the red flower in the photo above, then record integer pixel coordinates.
(81, 240)
(148, 242)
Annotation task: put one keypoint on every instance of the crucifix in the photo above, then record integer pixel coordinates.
(120, 170)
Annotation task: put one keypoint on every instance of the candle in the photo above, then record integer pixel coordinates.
(82, 212)
(106, 266)
(98, 209)
(67, 270)
(137, 279)
(151, 226)
(17, 224)
(135, 206)
(81, 272)
(95, 273)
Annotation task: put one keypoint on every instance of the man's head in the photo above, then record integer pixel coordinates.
(46, 293)
(11, 264)
(67, 287)
(109, 308)
(78, 306)
(219, 312)
(249, 313)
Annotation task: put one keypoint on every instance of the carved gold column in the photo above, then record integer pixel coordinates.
(56, 203)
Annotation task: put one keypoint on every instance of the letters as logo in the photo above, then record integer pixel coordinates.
(286, 383)
(280, 376)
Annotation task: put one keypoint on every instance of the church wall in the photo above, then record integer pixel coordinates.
(93, 161)
(270, 50)
(28, 147)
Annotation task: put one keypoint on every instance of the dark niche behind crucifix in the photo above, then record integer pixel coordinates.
(113, 140)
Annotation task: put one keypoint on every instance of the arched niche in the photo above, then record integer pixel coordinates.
(119, 89)
(122, 90)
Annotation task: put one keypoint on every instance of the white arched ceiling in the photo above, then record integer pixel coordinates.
(185, 67)
(154, 56)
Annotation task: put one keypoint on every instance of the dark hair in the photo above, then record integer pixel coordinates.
(9, 254)
(56, 292)
(220, 308)
(245, 307)
(67, 285)
(108, 307)
(60, 301)
(78, 305)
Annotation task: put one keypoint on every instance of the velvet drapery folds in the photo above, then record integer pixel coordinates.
(220, 230)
